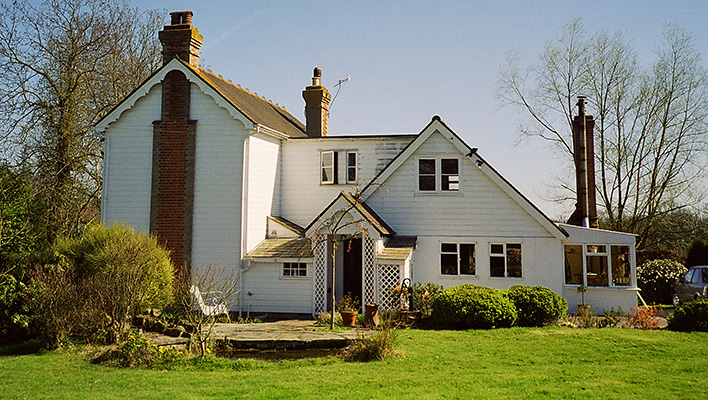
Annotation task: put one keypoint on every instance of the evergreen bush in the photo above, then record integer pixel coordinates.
(690, 316)
(658, 280)
(697, 254)
(470, 306)
(536, 306)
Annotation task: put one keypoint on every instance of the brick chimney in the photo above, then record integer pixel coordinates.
(317, 100)
(585, 213)
(174, 144)
(181, 39)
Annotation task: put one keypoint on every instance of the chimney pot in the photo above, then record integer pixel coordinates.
(317, 77)
(581, 105)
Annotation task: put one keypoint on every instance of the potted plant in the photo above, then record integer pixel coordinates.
(348, 306)
(582, 308)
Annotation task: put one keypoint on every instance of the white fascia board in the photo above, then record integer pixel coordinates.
(158, 77)
(340, 204)
(579, 234)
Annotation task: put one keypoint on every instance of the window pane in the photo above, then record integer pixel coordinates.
(327, 159)
(467, 262)
(574, 265)
(497, 249)
(513, 260)
(450, 182)
(496, 266)
(426, 182)
(621, 268)
(596, 249)
(687, 278)
(448, 264)
(449, 166)
(448, 247)
(705, 275)
(426, 167)
(351, 159)
(597, 271)
(351, 174)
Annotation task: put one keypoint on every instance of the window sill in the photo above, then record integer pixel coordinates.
(506, 278)
(458, 276)
(295, 278)
(439, 193)
(598, 288)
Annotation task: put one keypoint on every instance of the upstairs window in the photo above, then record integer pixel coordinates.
(352, 167)
(450, 174)
(505, 260)
(438, 175)
(426, 174)
(328, 166)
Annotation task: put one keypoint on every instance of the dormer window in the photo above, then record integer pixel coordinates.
(438, 175)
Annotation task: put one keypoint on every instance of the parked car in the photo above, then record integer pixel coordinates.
(693, 286)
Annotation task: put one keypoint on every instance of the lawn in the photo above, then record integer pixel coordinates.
(506, 363)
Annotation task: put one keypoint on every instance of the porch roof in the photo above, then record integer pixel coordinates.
(282, 248)
(397, 248)
(363, 209)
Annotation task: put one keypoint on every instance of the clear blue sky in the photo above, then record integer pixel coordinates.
(410, 60)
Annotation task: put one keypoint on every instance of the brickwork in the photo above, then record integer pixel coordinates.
(173, 169)
(181, 39)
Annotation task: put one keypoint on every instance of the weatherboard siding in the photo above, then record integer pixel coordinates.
(216, 231)
(303, 197)
(128, 163)
(480, 208)
(264, 290)
(263, 186)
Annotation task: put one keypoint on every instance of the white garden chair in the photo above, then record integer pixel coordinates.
(215, 304)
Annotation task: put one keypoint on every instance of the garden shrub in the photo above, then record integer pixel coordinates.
(697, 254)
(536, 306)
(423, 296)
(103, 275)
(690, 316)
(14, 312)
(470, 306)
(658, 280)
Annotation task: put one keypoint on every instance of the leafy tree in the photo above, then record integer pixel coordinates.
(650, 122)
(63, 65)
(697, 254)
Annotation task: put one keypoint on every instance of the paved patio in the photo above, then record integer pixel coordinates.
(289, 334)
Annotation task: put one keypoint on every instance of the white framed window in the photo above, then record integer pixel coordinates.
(294, 270)
(458, 259)
(599, 265)
(426, 174)
(449, 174)
(352, 166)
(328, 167)
(438, 174)
(505, 260)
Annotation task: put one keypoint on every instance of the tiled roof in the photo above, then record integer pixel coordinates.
(254, 107)
(282, 248)
(397, 248)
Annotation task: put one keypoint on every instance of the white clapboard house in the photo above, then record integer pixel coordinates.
(228, 179)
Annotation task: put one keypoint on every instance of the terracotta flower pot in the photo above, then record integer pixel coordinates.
(349, 318)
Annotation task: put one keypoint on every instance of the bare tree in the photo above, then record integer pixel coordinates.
(650, 123)
(203, 294)
(63, 65)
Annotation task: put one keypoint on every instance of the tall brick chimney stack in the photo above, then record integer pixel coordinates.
(585, 213)
(317, 100)
(174, 144)
(181, 39)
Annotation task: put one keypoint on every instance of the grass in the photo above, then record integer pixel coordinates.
(498, 364)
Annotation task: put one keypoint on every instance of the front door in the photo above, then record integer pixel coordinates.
(352, 267)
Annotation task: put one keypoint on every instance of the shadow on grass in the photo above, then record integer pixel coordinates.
(20, 349)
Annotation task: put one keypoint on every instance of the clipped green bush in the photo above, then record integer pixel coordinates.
(112, 272)
(658, 280)
(476, 307)
(690, 316)
(536, 306)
